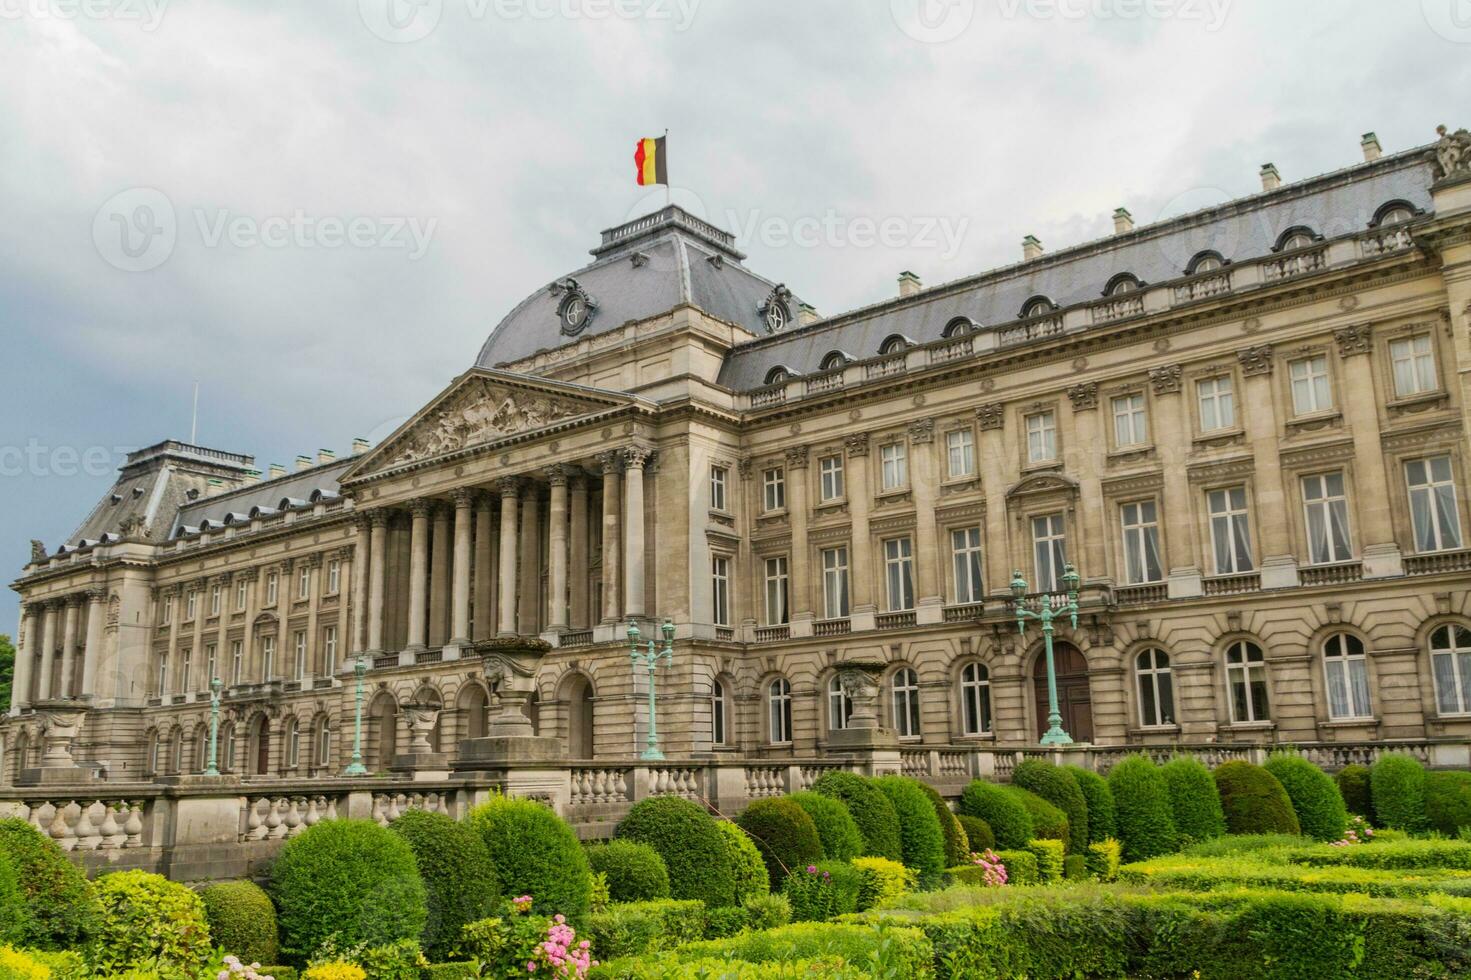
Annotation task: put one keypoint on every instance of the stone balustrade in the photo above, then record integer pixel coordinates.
(85, 823)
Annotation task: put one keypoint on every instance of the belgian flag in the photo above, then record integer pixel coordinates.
(649, 158)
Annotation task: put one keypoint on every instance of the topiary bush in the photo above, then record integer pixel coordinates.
(784, 833)
(1058, 787)
(1001, 807)
(957, 844)
(1448, 801)
(534, 852)
(1141, 800)
(1048, 822)
(881, 880)
(871, 810)
(1103, 859)
(977, 834)
(12, 908)
(1101, 821)
(747, 864)
(60, 906)
(1397, 787)
(635, 872)
(148, 922)
(1319, 806)
(459, 881)
(1253, 801)
(1195, 806)
(1353, 786)
(1049, 854)
(242, 920)
(347, 880)
(692, 845)
(840, 836)
(922, 842)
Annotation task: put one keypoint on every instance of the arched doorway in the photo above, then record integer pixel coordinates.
(260, 746)
(474, 704)
(384, 724)
(1073, 699)
(579, 700)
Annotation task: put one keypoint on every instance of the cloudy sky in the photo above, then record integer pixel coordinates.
(318, 210)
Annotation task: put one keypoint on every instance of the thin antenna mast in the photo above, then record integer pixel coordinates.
(194, 417)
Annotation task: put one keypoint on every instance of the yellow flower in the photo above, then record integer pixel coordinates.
(335, 971)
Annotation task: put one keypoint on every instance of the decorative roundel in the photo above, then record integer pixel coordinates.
(575, 308)
(776, 318)
(776, 310)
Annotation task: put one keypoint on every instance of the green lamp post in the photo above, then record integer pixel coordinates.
(360, 671)
(1040, 609)
(651, 658)
(215, 686)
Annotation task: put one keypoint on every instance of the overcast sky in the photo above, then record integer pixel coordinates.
(319, 208)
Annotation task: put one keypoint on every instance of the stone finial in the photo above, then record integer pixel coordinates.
(38, 551)
(1123, 221)
(1371, 148)
(1271, 179)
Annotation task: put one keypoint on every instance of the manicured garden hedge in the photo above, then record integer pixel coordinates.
(242, 920)
(784, 833)
(459, 880)
(1253, 800)
(841, 839)
(1353, 786)
(1397, 786)
(534, 852)
(1048, 822)
(922, 842)
(148, 921)
(635, 872)
(977, 834)
(1141, 808)
(1101, 821)
(1448, 801)
(747, 867)
(1195, 805)
(693, 847)
(870, 809)
(957, 844)
(1058, 787)
(1003, 810)
(1314, 796)
(60, 906)
(823, 891)
(636, 928)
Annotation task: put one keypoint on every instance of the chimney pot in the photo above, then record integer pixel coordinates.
(325, 455)
(806, 314)
(360, 446)
(303, 463)
(909, 283)
(252, 477)
(277, 471)
(1031, 248)
(1122, 221)
(1372, 150)
(1271, 179)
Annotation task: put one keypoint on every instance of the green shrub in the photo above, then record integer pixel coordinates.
(957, 844)
(1397, 787)
(747, 866)
(1448, 801)
(692, 845)
(1049, 854)
(1141, 800)
(871, 811)
(148, 921)
(60, 908)
(13, 913)
(882, 879)
(1058, 787)
(242, 920)
(767, 911)
(1353, 786)
(1003, 810)
(1195, 806)
(459, 880)
(348, 879)
(807, 950)
(821, 892)
(1253, 801)
(534, 852)
(636, 928)
(460, 970)
(729, 921)
(278, 972)
(977, 834)
(401, 959)
(784, 833)
(1075, 867)
(922, 841)
(1048, 822)
(635, 872)
(1021, 867)
(1103, 858)
(1319, 806)
(841, 839)
(1101, 821)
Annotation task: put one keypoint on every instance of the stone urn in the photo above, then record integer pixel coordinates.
(422, 716)
(860, 682)
(510, 672)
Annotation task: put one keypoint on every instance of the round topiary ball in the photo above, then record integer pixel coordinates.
(840, 836)
(635, 872)
(977, 834)
(459, 880)
(1253, 801)
(784, 833)
(747, 865)
(871, 810)
(921, 840)
(1397, 786)
(1048, 822)
(1353, 786)
(534, 852)
(1194, 803)
(242, 920)
(148, 922)
(1448, 802)
(1102, 824)
(1316, 801)
(1004, 812)
(1141, 800)
(957, 845)
(1058, 787)
(692, 846)
(348, 879)
(60, 907)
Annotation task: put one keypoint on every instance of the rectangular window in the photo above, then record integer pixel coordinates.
(1217, 403)
(163, 674)
(216, 599)
(1310, 392)
(776, 591)
(191, 605)
(168, 610)
(334, 576)
(186, 668)
(894, 466)
(237, 661)
(830, 478)
(1433, 516)
(1230, 530)
(1041, 437)
(1141, 542)
(241, 588)
(774, 483)
(1049, 551)
(1326, 509)
(304, 582)
(960, 447)
(835, 583)
(965, 549)
(1413, 361)
(329, 651)
(273, 588)
(268, 657)
(211, 663)
(718, 477)
(1128, 421)
(899, 573)
(298, 643)
(720, 588)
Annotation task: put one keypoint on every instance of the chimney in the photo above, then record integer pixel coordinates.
(252, 477)
(360, 446)
(806, 314)
(909, 283)
(1271, 179)
(325, 455)
(1122, 221)
(1031, 248)
(214, 487)
(277, 471)
(1370, 143)
(303, 463)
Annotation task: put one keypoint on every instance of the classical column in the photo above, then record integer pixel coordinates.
(634, 458)
(418, 574)
(992, 460)
(528, 612)
(92, 652)
(1278, 562)
(612, 464)
(1172, 444)
(314, 611)
(510, 489)
(1083, 451)
(579, 615)
(1380, 551)
(460, 627)
(349, 559)
(222, 632)
(441, 561)
(485, 567)
(860, 495)
(174, 602)
(377, 574)
(285, 595)
(357, 640)
(557, 540)
(48, 648)
(799, 575)
(923, 485)
(69, 646)
(20, 689)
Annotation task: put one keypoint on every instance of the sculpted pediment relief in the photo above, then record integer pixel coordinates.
(1044, 483)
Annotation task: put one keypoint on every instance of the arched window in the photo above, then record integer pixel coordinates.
(718, 718)
(1450, 663)
(779, 710)
(293, 743)
(201, 748)
(581, 717)
(778, 376)
(153, 759)
(1156, 688)
(1036, 306)
(960, 326)
(905, 689)
(1124, 282)
(833, 361)
(1393, 213)
(1348, 676)
(1246, 678)
(975, 699)
(1295, 238)
(1207, 261)
(324, 744)
(894, 344)
(225, 746)
(839, 705)
(176, 751)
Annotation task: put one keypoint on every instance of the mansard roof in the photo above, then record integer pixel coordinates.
(302, 488)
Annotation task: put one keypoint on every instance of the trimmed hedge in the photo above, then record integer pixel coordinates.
(977, 834)
(459, 880)
(1319, 806)
(534, 852)
(871, 811)
(693, 847)
(899, 952)
(881, 879)
(1048, 822)
(1050, 856)
(348, 879)
(1195, 806)
(1448, 801)
(1058, 787)
(1141, 800)
(1075, 868)
(1102, 824)
(784, 833)
(60, 906)
(635, 872)
(1103, 859)
(841, 839)
(636, 928)
(1353, 786)
(242, 920)
(748, 869)
(1021, 867)
(1253, 800)
(957, 844)
(1001, 807)
(1397, 786)
(922, 841)
(148, 922)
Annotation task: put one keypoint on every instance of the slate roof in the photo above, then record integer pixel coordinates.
(297, 489)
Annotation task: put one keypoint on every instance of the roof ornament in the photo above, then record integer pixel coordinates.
(38, 551)
(1453, 153)
(576, 307)
(776, 309)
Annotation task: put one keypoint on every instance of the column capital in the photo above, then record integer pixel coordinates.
(857, 444)
(421, 507)
(922, 431)
(634, 457)
(509, 487)
(378, 517)
(75, 600)
(463, 497)
(250, 574)
(1166, 379)
(313, 560)
(991, 415)
(611, 462)
(345, 553)
(557, 474)
(796, 457)
(1355, 339)
(576, 478)
(1084, 396)
(223, 578)
(1255, 360)
(95, 594)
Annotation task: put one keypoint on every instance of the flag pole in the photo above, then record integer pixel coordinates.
(668, 194)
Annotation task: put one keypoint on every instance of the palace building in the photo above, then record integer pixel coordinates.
(1246, 427)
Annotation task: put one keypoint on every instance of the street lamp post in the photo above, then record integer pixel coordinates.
(651, 658)
(360, 671)
(213, 769)
(1044, 614)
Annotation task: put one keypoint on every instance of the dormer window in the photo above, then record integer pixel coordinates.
(959, 327)
(833, 361)
(894, 344)
(1393, 213)
(1208, 261)
(778, 376)
(1124, 282)
(1036, 306)
(1296, 238)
